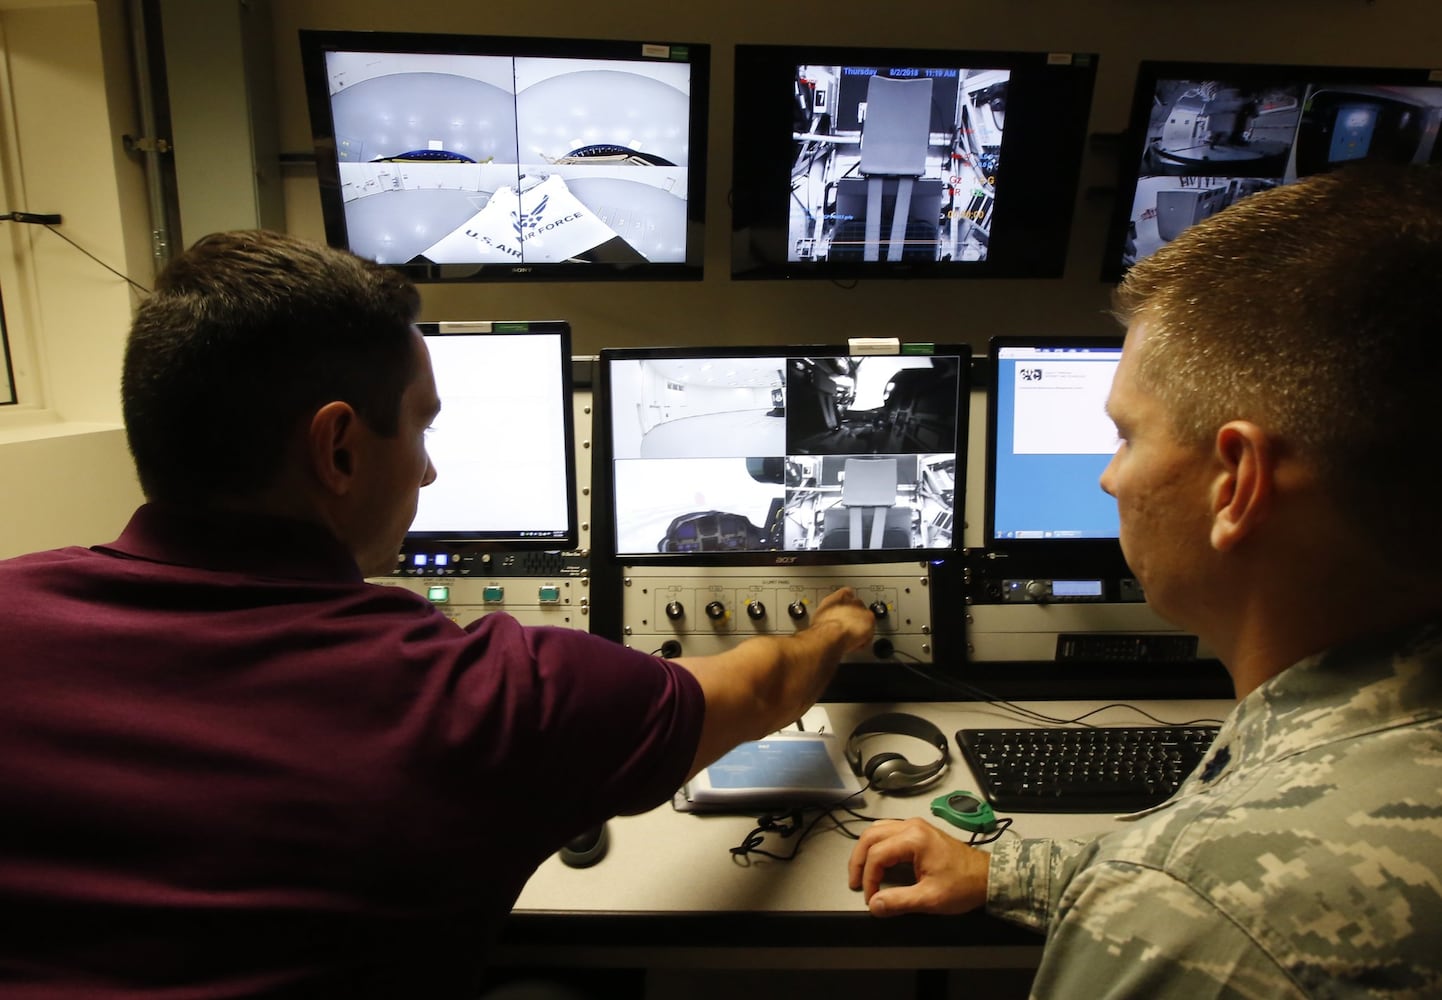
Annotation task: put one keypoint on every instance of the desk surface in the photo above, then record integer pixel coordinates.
(667, 865)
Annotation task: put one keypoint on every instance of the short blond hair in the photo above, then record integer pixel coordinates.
(1315, 310)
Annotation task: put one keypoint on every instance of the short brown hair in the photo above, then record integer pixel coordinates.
(247, 333)
(1315, 310)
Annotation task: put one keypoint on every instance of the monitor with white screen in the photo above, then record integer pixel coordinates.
(779, 455)
(1049, 441)
(502, 444)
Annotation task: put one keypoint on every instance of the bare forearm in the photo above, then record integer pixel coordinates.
(768, 681)
(781, 676)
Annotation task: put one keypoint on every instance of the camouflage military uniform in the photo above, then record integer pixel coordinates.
(1303, 858)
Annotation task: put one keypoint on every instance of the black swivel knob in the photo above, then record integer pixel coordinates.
(879, 609)
(796, 609)
(715, 611)
(675, 610)
(755, 610)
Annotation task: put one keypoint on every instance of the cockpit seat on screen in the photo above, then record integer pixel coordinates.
(896, 529)
(895, 137)
(919, 241)
(921, 410)
(868, 509)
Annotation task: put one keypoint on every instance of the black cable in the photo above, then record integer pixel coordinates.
(788, 823)
(981, 838)
(1031, 715)
(980, 694)
(126, 278)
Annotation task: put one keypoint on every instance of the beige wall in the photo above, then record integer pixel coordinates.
(68, 100)
(718, 310)
(65, 473)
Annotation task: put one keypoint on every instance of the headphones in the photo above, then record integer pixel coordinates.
(892, 772)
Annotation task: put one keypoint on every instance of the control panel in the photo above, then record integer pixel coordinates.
(561, 598)
(1045, 590)
(1017, 611)
(699, 611)
(1044, 608)
(535, 588)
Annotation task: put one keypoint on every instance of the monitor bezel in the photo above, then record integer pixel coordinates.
(1133, 139)
(498, 541)
(1033, 227)
(316, 43)
(1083, 550)
(603, 519)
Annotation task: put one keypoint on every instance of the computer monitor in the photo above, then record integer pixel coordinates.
(852, 162)
(1203, 135)
(779, 455)
(502, 445)
(1054, 611)
(467, 158)
(1049, 439)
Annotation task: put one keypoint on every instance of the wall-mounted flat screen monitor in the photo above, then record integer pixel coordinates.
(1204, 135)
(502, 444)
(1048, 441)
(465, 158)
(779, 455)
(884, 162)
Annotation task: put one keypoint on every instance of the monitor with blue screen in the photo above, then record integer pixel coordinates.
(1049, 441)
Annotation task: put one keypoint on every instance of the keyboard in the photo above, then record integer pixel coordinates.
(1106, 769)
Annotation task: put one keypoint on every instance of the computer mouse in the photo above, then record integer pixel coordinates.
(586, 848)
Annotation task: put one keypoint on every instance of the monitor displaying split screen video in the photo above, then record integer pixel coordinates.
(796, 455)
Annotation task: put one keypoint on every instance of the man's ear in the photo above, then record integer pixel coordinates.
(331, 446)
(1243, 488)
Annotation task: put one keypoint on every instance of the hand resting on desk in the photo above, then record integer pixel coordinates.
(950, 877)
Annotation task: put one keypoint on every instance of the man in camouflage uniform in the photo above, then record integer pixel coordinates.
(1278, 487)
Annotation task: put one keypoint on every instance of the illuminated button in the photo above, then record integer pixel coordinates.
(493, 594)
(550, 593)
(438, 595)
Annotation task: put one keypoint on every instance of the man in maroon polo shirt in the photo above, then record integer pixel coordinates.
(231, 767)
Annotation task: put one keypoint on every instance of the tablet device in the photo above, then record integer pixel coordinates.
(783, 769)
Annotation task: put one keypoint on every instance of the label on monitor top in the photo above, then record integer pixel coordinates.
(874, 345)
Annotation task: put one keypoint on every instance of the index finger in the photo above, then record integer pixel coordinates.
(838, 596)
(872, 835)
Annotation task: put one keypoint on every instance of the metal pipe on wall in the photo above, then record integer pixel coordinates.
(149, 145)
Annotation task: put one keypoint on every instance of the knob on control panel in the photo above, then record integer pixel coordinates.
(796, 609)
(879, 609)
(755, 610)
(715, 610)
(675, 610)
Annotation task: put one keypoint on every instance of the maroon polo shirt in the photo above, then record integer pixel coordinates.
(231, 767)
